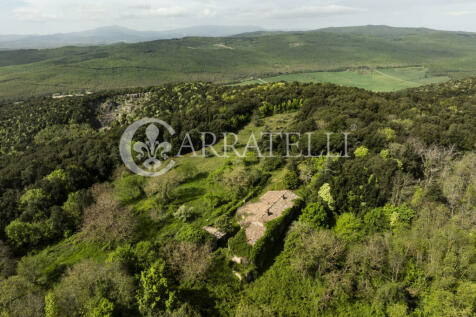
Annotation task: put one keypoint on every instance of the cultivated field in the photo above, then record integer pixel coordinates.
(382, 79)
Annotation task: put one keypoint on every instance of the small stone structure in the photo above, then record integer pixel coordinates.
(238, 275)
(271, 205)
(239, 260)
(214, 231)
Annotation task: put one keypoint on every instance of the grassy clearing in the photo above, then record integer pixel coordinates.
(386, 79)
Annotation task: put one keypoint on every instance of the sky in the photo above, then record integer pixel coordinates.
(61, 16)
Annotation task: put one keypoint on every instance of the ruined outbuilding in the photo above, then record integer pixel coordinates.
(271, 205)
(215, 232)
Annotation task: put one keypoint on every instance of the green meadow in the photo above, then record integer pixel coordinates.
(384, 79)
(322, 55)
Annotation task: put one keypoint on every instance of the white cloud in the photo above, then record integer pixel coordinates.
(170, 12)
(32, 14)
(10, 4)
(208, 12)
(87, 9)
(459, 13)
(311, 11)
(22, 16)
(139, 6)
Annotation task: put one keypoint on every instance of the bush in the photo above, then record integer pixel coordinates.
(163, 186)
(378, 219)
(388, 133)
(20, 298)
(272, 163)
(193, 233)
(349, 227)
(237, 180)
(316, 253)
(250, 158)
(61, 177)
(291, 180)
(215, 199)
(188, 261)
(187, 171)
(238, 245)
(361, 151)
(155, 294)
(106, 220)
(129, 188)
(325, 194)
(34, 202)
(26, 235)
(184, 213)
(137, 258)
(401, 216)
(316, 215)
(75, 205)
(90, 288)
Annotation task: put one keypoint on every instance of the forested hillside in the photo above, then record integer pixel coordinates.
(388, 231)
(233, 59)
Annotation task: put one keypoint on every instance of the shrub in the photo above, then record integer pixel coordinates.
(385, 154)
(101, 307)
(389, 134)
(184, 213)
(61, 177)
(378, 219)
(51, 307)
(272, 163)
(74, 206)
(188, 261)
(291, 180)
(106, 220)
(250, 158)
(317, 252)
(237, 180)
(238, 245)
(361, 151)
(94, 287)
(25, 234)
(187, 170)
(155, 294)
(325, 194)
(192, 233)
(163, 186)
(401, 216)
(349, 227)
(20, 298)
(316, 215)
(129, 188)
(34, 201)
(215, 199)
(136, 258)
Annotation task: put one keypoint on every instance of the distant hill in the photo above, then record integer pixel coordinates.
(115, 34)
(235, 58)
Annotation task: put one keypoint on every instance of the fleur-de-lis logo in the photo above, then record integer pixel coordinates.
(152, 147)
(152, 150)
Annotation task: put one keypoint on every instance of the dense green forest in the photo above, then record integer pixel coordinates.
(236, 58)
(388, 231)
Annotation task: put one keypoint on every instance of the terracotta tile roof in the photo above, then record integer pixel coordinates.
(271, 205)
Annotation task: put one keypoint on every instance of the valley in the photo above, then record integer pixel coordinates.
(334, 55)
